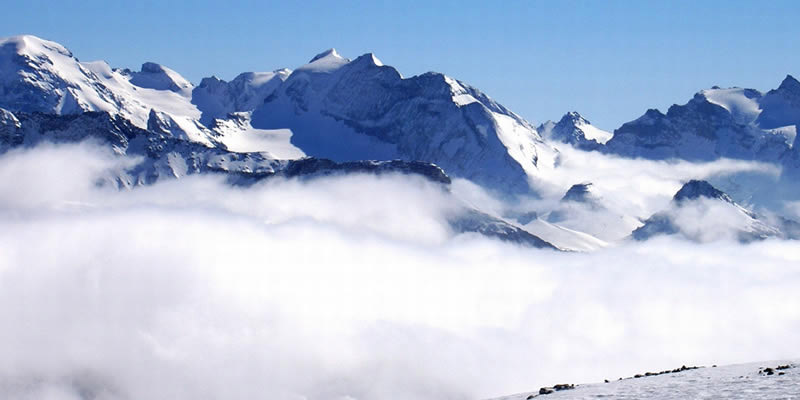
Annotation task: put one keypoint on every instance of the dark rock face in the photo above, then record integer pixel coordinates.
(780, 370)
(318, 167)
(555, 388)
(781, 105)
(658, 224)
(579, 193)
(695, 189)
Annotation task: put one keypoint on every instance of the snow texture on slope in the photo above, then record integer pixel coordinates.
(362, 109)
(743, 381)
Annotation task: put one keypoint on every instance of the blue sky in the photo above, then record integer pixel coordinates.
(609, 60)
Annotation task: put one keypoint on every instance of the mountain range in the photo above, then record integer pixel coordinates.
(336, 115)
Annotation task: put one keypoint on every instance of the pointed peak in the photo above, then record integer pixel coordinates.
(159, 77)
(581, 193)
(370, 57)
(789, 83)
(572, 117)
(695, 189)
(325, 54)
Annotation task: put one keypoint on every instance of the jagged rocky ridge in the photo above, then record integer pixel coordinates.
(575, 130)
(716, 123)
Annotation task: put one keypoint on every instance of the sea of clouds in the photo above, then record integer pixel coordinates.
(352, 287)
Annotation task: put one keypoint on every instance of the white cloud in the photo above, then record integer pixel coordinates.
(343, 288)
(638, 187)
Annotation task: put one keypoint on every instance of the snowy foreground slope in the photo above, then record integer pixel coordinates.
(743, 381)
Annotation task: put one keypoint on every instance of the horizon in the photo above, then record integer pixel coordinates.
(609, 62)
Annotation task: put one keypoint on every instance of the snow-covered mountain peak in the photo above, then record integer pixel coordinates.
(37, 75)
(327, 53)
(743, 104)
(572, 128)
(31, 46)
(574, 117)
(327, 61)
(695, 189)
(368, 60)
(362, 109)
(158, 77)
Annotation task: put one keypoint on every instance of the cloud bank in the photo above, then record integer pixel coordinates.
(343, 288)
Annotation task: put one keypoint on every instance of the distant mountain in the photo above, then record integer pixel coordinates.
(216, 98)
(575, 130)
(701, 212)
(734, 123)
(581, 193)
(584, 209)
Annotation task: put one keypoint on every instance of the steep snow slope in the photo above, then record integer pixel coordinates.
(564, 238)
(40, 75)
(742, 381)
(362, 109)
(237, 134)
